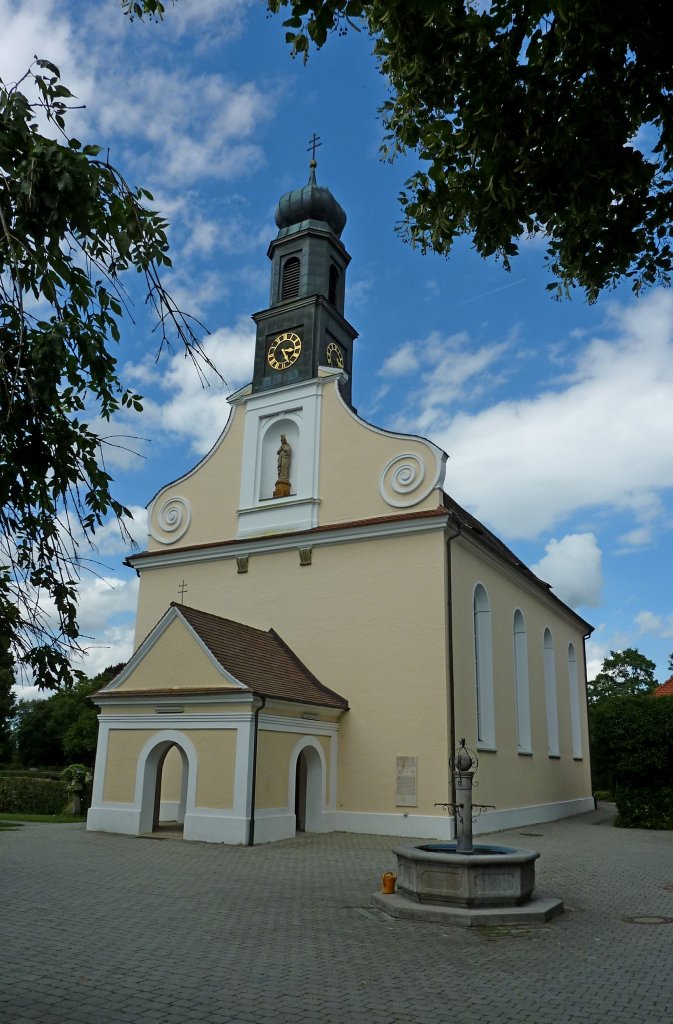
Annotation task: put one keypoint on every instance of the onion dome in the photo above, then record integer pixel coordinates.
(309, 207)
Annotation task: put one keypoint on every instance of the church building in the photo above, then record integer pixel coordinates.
(346, 622)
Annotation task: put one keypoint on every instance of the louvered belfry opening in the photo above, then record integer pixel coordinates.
(290, 286)
(333, 284)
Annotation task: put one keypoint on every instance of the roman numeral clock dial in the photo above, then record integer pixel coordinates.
(284, 351)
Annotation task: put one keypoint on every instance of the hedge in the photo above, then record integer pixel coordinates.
(644, 807)
(632, 756)
(33, 796)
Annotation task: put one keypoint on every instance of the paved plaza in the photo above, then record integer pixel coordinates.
(101, 928)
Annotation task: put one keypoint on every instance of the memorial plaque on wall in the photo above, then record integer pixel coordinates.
(406, 782)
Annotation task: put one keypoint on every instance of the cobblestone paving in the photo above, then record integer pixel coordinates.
(100, 928)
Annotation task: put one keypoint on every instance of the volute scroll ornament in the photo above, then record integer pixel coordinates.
(403, 481)
(171, 520)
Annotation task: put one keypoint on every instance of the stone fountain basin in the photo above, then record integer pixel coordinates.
(491, 876)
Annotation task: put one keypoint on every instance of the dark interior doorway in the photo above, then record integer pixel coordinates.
(168, 827)
(300, 794)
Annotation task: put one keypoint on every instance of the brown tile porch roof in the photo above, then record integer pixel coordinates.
(259, 659)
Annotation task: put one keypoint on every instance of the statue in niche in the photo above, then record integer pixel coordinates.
(283, 486)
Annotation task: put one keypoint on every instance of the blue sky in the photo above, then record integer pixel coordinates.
(557, 417)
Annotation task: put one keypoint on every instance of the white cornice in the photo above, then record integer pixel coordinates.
(118, 698)
(179, 721)
(291, 542)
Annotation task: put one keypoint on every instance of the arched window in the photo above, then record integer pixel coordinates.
(290, 286)
(333, 284)
(483, 660)
(550, 694)
(573, 686)
(521, 688)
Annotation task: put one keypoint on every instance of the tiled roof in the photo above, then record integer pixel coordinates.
(665, 690)
(259, 659)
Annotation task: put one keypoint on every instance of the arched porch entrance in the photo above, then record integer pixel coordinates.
(170, 791)
(164, 773)
(309, 789)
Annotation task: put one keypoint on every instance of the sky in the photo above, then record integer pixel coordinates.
(557, 416)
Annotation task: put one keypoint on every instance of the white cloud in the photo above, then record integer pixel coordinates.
(573, 567)
(456, 369)
(106, 613)
(42, 28)
(197, 125)
(659, 625)
(636, 538)
(182, 125)
(109, 539)
(222, 18)
(602, 437)
(193, 410)
(107, 607)
(401, 362)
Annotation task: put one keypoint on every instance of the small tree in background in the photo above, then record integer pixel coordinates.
(624, 673)
(632, 755)
(62, 729)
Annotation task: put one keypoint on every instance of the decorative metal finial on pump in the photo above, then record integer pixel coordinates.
(464, 760)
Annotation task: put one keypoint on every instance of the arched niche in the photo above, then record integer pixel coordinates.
(269, 454)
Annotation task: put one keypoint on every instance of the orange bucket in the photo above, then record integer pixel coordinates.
(388, 883)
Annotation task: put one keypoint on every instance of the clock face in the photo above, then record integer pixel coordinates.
(284, 350)
(334, 355)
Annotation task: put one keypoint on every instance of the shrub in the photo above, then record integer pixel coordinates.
(32, 796)
(632, 755)
(631, 741)
(644, 807)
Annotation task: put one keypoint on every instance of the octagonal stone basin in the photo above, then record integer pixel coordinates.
(491, 876)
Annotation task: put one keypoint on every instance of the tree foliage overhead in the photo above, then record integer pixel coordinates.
(624, 673)
(70, 229)
(7, 704)
(528, 117)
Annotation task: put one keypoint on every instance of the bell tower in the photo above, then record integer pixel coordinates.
(304, 325)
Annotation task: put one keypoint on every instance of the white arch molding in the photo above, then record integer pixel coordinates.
(149, 760)
(550, 694)
(316, 780)
(521, 684)
(573, 688)
(483, 668)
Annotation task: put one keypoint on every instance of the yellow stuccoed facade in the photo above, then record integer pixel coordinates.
(370, 617)
(421, 626)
